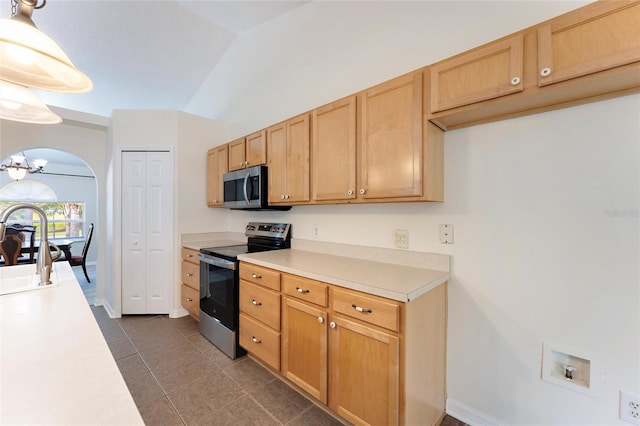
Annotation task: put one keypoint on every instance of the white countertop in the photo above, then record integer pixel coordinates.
(197, 245)
(55, 366)
(393, 281)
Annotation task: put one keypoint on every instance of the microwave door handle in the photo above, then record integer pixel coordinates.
(244, 188)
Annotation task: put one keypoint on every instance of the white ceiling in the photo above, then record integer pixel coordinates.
(152, 54)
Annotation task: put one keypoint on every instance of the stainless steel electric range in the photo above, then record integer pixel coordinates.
(220, 283)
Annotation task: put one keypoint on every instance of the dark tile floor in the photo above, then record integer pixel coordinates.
(177, 377)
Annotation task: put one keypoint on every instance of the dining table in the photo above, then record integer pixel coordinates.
(64, 244)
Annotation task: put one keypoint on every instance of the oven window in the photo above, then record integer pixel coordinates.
(218, 293)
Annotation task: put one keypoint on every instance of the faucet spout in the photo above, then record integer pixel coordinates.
(44, 263)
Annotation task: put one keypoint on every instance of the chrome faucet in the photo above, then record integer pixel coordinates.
(45, 260)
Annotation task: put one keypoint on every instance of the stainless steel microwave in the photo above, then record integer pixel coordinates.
(246, 188)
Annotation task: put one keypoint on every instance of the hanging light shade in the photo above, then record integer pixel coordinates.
(18, 103)
(28, 57)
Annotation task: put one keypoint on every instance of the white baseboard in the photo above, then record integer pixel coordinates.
(470, 416)
(178, 313)
(110, 310)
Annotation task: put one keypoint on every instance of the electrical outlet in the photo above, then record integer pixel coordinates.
(629, 408)
(402, 238)
(446, 234)
(315, 232)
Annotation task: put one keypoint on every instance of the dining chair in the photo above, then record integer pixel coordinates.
(30, 234)
(11, 246)
(82, 259)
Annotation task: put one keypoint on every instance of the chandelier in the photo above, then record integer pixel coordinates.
(17, 170)
(30, 58)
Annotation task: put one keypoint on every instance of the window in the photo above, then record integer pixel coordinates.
(65, 219)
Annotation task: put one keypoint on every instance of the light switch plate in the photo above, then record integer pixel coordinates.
(446, 234)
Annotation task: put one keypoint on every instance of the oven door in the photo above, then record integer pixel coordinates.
(219, 290)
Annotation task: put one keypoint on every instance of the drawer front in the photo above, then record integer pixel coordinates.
(191, 300)
(191, 275)
(259, 275)
(260, 303)
(305, 289)
(377, 311)
(260, 341)
(190, 255)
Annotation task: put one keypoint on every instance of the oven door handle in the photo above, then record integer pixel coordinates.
(215, 261)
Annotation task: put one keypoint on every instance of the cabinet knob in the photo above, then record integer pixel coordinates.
(242, 164)
(545, 72)
(302, 290)
(189, 274)
(286, 197)
(362, 191)
(282, 197)
(320, 320)
(332, 324)
(255, 276)
(350, 192)
(256, 303)
(255, 340)
(189, 299)
(189, 255)
(515, 81)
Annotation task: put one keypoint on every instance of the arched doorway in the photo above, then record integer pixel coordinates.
(67, 191)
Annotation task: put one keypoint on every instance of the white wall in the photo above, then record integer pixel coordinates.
(542, 251)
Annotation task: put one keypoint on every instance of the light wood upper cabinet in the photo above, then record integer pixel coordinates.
(217, 165)
(390, 145)
(334, 151)
(485, 73)
(591, 53)
(603, 36)
(288, 161)
(248, 151)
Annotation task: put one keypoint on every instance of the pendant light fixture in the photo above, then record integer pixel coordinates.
(18, 103)
(30, 58)
(17, 170)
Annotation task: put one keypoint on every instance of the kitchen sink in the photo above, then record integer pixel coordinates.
(21, 278)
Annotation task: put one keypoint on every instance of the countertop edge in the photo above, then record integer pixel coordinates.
(363, 287)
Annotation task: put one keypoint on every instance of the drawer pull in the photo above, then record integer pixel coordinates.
(361, 310)
(301, 290)
(255, 276)
(189, 274)
(255, 340)
(256, 302)
(189, 255)
(189, 299)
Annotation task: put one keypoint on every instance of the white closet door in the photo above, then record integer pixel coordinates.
(147, 232)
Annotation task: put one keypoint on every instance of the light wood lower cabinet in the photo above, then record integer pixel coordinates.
(191, 282)
(364, 373)
(372, 360)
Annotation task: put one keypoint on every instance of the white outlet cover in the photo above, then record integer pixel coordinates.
(629, 408)
(446, 234)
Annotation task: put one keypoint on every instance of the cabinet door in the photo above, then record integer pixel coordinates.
(304, 347)
(217, 165)
(485, 73)
(277, 162)
(298, 130)
(191, 301)
(390, 147)
(364, 373)
(334, 150)
(237, 155)
(256, 145)
(599, 37)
